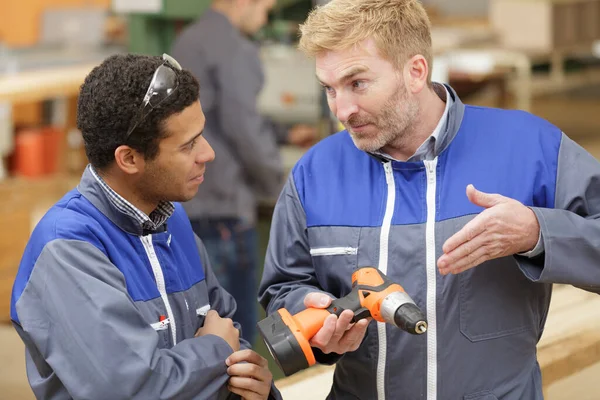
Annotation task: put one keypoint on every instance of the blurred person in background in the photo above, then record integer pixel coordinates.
(475, 211)
(115, 297)
(217, 50)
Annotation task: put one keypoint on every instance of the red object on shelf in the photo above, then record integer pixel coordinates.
(36, 151)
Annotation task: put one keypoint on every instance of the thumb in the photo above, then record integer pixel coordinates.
(317, 300)
(483, 199)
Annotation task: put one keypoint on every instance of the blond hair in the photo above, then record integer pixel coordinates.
(399, 28)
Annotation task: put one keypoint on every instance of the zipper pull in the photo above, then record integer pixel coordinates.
(387, 167)
(429, 166)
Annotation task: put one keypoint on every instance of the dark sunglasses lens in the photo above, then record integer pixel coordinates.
(163, 85)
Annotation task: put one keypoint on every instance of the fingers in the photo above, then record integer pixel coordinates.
(212, 314)
(247, 394)
(323, 336)
(477, 225)
(354, 336)
(338, 335)
(246, 355)
(341, 326)
(467, 259)
(249, 388)
(483, 199)
(471, 230)
(317, 300)
(250, 375)
(249, 371)
(461, 251)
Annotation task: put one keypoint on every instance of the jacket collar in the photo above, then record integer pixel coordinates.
(91, 190)
(445, 137)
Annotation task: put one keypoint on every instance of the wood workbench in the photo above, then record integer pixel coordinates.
(49, 84)
(43, 84)
(21, 199)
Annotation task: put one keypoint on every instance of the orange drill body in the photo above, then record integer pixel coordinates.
(369, 280)
(373, 295)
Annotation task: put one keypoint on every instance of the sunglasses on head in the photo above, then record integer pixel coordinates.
(163, 84)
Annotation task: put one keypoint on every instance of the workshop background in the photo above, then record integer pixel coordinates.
(537, 55)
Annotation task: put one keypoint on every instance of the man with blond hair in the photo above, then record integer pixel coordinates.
(389, 191)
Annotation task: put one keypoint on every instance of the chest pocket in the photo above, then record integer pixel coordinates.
(497, 300)
(155, 315)
(334, 254)
(198, 306)
(163, 331)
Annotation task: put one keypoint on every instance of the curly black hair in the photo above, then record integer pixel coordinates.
(111, 96)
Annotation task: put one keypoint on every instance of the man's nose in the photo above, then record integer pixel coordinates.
(206, 153)
(345, 107)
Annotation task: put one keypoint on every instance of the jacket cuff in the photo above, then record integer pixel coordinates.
(537, 250)
(532, 265)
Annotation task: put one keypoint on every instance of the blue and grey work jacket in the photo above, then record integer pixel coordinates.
(108, 311)
(343, 208)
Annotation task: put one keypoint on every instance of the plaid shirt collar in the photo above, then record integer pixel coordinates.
(155, 220)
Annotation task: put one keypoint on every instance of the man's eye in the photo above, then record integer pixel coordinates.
(359, 84)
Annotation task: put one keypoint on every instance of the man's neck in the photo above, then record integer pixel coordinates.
(228, 9)
(431, 110)
(126, 191)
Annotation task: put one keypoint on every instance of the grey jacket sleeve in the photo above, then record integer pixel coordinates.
(289, 274)
(89, 332)
(250, 136)
(570, 231)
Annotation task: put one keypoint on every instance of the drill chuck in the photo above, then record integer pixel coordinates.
(409, 318)
(399, 309)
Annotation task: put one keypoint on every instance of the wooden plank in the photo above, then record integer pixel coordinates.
(571, 339)
(22, 204)
(544, 1)
(43, 84)
(572, 311)
(569, 355)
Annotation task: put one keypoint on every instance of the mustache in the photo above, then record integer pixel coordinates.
(357, 120)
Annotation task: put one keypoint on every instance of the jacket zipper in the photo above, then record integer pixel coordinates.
(383, 266)
(431, 270)
(333, 251)
(160, 282)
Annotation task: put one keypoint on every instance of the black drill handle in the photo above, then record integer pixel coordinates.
(349, 302)
(368, 286)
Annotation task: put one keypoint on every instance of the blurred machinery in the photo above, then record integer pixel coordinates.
(153, 24)
(291, 93)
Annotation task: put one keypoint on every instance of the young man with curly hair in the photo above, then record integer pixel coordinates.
(115, 297)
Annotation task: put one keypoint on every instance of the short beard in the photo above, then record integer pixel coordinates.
(394, 123)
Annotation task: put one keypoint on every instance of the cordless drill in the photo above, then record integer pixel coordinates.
(373, 295)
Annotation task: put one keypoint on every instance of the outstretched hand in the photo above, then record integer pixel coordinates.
(504, 228)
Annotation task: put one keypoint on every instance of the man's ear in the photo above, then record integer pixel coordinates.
(416, 72)
(129, 160)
